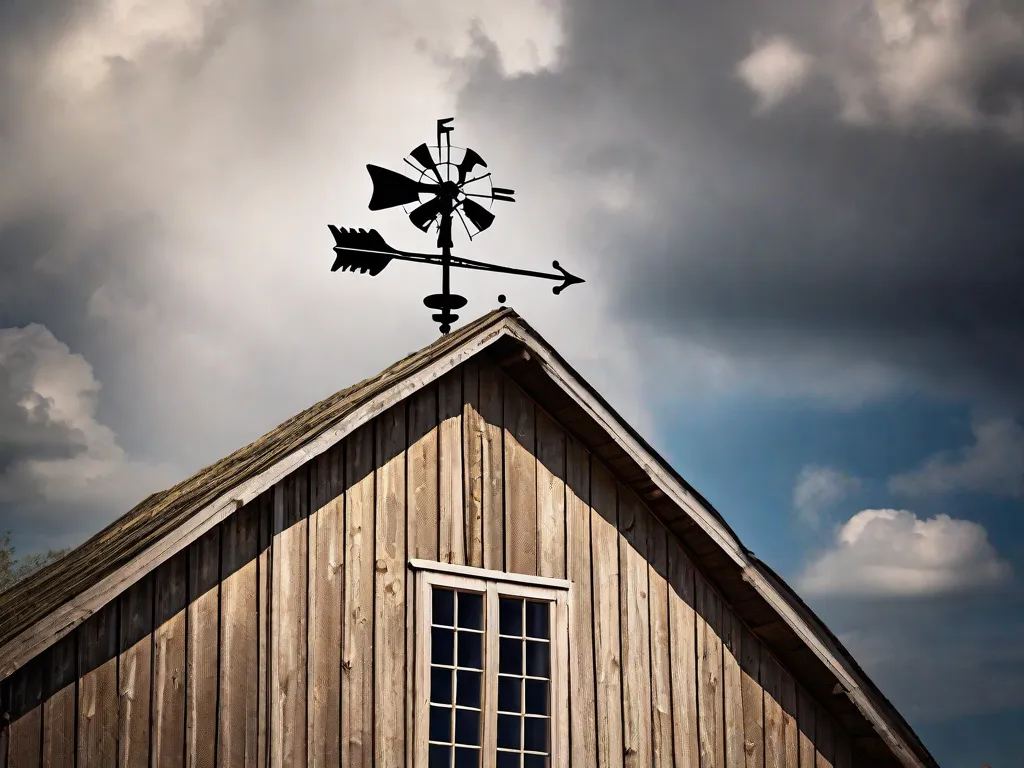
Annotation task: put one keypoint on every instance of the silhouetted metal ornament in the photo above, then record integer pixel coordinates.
(359, 250)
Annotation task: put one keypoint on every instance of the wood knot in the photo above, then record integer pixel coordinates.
(748, 747)
(347, 664)
(630, 751)
(382, 567)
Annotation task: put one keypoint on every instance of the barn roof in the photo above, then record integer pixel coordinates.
(46, 606)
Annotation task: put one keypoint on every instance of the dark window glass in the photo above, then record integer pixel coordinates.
(536, 697)
(467, 689)
(440, 724)
(509, 698)
(510, 616)
(507, 760)
(466, 757)
(471, 610)
(440, 685)
(467, 727)
(440, 757)
(471, 650)
(510, 656)
(537, 658)
(443, 609)
(537, 617)
(535, 734)
(509, 731)
(535, 761)
(442, 646)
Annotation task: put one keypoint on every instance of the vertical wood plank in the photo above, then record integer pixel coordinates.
(661, 665)
(264, 576)
(357, 664)
(134, 674)
(636, 643)
(5, 723)
(452, 513)
(683, 644)
(423, 475)
(97, 689)
(326, 598)
(237, 735)
(806, 725)
(26, 717)
(389, 591)
(520, 483)
(607, 651)
(774, 725)
(168, 738)
(752, 696)
(492, 447)
(473, 471)
(202, 650)
(844, 756)
(824, 739)
(60, 692)
(550, 497)
(790, 736)
(288, 671)
(732, 689)
(709, 676)
(421, 512)
(582, 724)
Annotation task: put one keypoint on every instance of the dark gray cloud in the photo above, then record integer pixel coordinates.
(892, 238)
(930, 666)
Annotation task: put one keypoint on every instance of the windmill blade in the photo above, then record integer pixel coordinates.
(391, 189)
(470, 161)
(424, 216)
(501, 193)
(357, 250)
(423, 156)
(477, 214)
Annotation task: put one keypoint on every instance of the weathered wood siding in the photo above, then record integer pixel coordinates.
(283, 637)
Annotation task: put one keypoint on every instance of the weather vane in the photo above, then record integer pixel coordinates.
(445, 189)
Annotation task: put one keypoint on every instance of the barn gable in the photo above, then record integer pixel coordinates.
(292, 557)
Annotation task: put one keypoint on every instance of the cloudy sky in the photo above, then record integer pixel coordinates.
(800, 221)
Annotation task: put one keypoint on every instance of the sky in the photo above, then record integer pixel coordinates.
(800, 222)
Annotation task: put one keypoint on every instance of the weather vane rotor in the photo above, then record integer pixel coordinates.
(445, 189)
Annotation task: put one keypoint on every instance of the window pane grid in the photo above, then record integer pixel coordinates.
(523, 683)
(510, 648)
(457, 634)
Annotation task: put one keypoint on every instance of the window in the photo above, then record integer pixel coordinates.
(491, 662)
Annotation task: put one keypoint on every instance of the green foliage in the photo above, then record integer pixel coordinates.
(13, 569)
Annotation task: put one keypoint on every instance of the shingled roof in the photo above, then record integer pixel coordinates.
(229, 482)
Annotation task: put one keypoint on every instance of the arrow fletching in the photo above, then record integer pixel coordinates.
(357, 250)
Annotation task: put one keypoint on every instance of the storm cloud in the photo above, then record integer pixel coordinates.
(863, 233)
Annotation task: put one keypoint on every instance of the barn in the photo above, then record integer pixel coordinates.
(468, 560)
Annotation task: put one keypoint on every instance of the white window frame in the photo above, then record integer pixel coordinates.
(492, 585)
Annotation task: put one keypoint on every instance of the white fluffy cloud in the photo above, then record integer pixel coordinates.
(818, 488)
(994, 464)
(775, 68)
(57, 454)
(890, 552)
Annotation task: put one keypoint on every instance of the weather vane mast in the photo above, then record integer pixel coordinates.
(443, 190)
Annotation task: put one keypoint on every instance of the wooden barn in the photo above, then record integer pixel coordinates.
(467, 560)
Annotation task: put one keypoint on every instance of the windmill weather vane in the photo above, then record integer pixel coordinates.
(438, 198)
